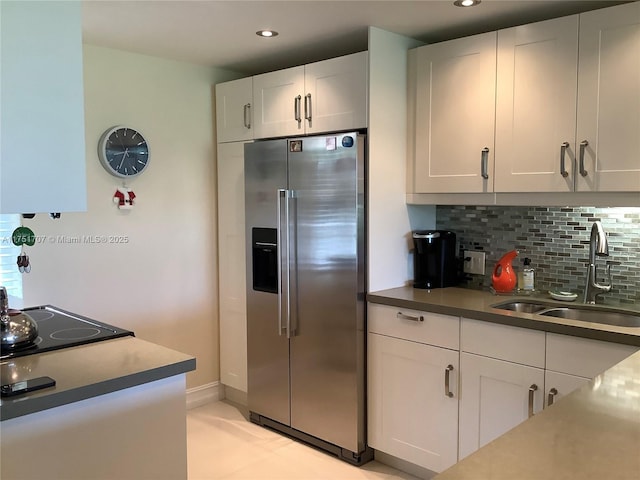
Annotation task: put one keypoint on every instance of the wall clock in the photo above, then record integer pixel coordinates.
(123, 152)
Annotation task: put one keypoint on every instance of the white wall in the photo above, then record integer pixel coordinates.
(162, 283)
(390, 219)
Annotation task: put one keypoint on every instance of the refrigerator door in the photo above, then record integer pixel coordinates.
(267, 344)
(326, 180)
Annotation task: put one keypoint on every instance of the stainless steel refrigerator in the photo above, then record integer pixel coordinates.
(305, 231)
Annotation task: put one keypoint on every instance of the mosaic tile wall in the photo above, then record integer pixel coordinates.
(556, 239)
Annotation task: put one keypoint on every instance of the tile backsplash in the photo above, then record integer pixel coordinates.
(556, 239)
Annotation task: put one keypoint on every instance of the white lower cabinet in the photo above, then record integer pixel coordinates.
(440, 387)
(410, 414)
(413, 387)
(557, 385)
(502, 380)
(495, 396)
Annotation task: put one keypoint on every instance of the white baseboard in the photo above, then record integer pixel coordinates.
(235, 396)
(402, 465)
(198, 396)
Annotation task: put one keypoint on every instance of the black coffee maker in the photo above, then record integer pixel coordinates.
(434, 259)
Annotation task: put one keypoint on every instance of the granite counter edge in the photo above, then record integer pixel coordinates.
(57, 399)
(549, 325)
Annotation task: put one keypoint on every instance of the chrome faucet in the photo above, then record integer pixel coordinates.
(4, 308)
(599, 246)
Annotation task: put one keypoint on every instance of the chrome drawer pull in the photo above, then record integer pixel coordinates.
(532, 390)
(563, 151)
(447, 391)
(484, 163)
(247, 116)
(402, 316)
(552, 395)
(583, 145)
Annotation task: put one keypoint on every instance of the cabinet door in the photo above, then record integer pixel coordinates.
(233, 110)
(455, 115)
(42, 152)
(336, 94)
(279, 103)
(609, 99)
(231, 265)
(583, 357)
(495, 396)
(535, 106)
(557, 385)
(410, 416)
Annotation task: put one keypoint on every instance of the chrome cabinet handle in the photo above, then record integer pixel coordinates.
(247, 115)
(307, 107)
(484, 162)
(296, 109)
(583, 146)
(532, 390)
(563, 151)
(447, 391)
(552, 395)
(402, 316)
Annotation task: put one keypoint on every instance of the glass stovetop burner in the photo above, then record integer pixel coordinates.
(58, 328)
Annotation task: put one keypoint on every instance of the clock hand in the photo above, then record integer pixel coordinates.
(125, 153)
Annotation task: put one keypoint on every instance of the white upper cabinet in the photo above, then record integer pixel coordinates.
(455, 115)
(277, 98)
(234, 115)
(535, 107)
(566, 98)
(336, 94)
(325, 96)
(42, 152)
(609, 99)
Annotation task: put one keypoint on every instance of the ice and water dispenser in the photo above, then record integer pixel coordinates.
(264, 255)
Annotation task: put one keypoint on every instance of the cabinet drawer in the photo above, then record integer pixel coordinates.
(514, 344)
(583, 356)
(414, 325)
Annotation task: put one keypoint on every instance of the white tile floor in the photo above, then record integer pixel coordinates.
(222, 444)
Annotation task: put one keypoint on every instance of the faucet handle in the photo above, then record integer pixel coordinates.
(4, 299)
(609, 263)
(4, 308)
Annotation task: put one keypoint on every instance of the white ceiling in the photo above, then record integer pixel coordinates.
(222, 33)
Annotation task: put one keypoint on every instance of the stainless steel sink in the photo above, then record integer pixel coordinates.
(608, 317)
(584, 313)
(525, 307)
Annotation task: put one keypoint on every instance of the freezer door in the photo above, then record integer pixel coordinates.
(267, 345)
(326, 180)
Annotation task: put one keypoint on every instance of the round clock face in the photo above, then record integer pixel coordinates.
(123, 152)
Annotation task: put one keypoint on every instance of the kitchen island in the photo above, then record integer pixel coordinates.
(590, 433)
(118, 410)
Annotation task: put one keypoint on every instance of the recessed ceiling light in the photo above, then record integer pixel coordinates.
(271, 33)
(466, 3)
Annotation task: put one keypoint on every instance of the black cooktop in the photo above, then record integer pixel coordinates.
(58, 328)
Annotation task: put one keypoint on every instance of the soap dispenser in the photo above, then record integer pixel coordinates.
(528, 276)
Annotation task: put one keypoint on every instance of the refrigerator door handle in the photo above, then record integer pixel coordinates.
(282, 256)
(292, 281)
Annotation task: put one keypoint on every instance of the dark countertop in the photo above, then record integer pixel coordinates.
(592, 433)
(88, 371)
(477, 304)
